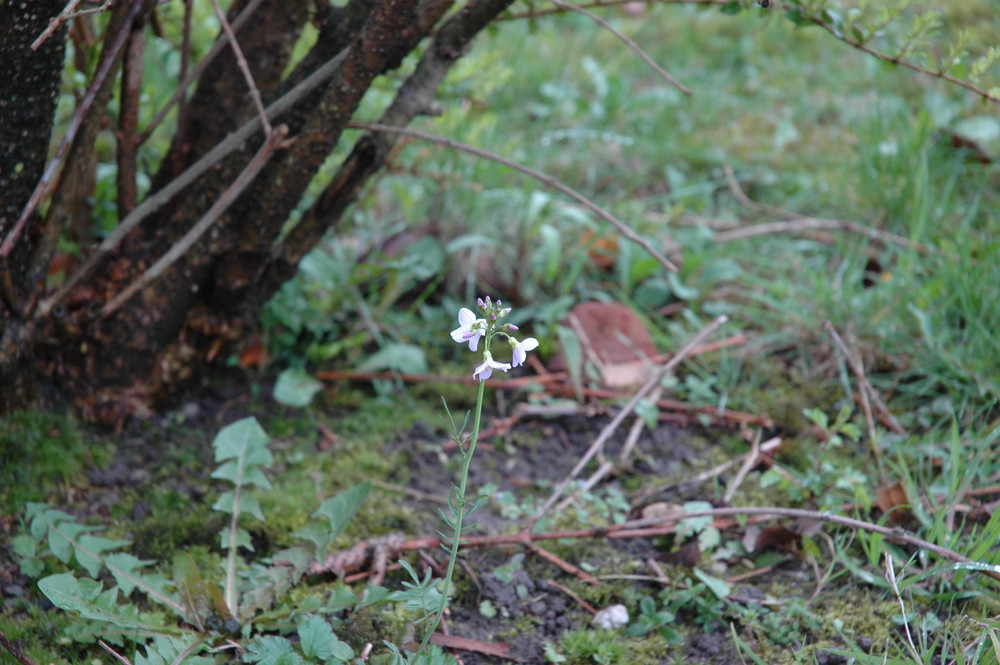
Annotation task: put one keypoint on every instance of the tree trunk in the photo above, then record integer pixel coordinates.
(29, 91)
(113, 361)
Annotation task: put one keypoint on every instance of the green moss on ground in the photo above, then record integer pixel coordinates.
(40, 452)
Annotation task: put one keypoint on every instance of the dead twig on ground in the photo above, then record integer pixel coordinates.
(723, 518)
(15, 652)
(569, 592)
(798, 223)
(611, 427)
(867, 390)
(749, 461)
(561, 563)
(765, 448)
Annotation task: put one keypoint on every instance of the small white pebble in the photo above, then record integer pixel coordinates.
(610, 618)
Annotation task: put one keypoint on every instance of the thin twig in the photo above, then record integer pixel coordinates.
(14, 650)
(67, 14)
(612, 426)
(664, 524)
(749, 462)
(628, 42)
(186, 78)
(544, 178)
(103, 70)
(798, 223)
(842, 36)
(154, 202)
(244, 67)
(562, 564)
(538, 13)
(866, 386)
(714, 472)
(179, 248)
(569, 592)
(117, 656)
(896, 534)
(128, 119)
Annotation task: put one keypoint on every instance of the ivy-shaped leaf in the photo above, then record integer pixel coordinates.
(317, 640)
(272, 650)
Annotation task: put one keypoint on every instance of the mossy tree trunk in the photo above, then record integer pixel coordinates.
(112, 356)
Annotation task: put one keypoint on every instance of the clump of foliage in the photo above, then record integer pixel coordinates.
(118, 597)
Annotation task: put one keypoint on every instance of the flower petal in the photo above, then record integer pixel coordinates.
(466, 317)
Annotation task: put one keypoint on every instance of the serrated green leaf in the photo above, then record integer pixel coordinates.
(242, 539)
(123, 567)
(62, 536)
(341, 509)
(90, 549)
(316, 637)
(243, 440)
(165, 649)
(246, 475)
(271, 650)
(315, 534)
(24, 546)
(246, 505)
(84, 597)
(296, 387)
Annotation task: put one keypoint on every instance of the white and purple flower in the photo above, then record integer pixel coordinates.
(521, 349)
(470, 329)
(485, 370)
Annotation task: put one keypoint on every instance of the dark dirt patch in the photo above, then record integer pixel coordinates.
(513, 605)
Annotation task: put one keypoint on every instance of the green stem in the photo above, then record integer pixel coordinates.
(456, 538)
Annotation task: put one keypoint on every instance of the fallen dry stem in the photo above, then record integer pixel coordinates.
(612, 426)
(799, 223)
(866, 386)
(664, 525)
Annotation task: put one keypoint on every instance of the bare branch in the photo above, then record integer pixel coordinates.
(902, 62)
(187, 78)
(244, 67)
(74, 126)
(128, 119)
(212, 157)
(178, 250)
(544, 178)
(67, 14)
(628, 42)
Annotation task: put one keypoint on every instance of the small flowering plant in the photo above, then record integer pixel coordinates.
(471, 329)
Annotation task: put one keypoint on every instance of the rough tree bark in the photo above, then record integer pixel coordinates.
(113, 362)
